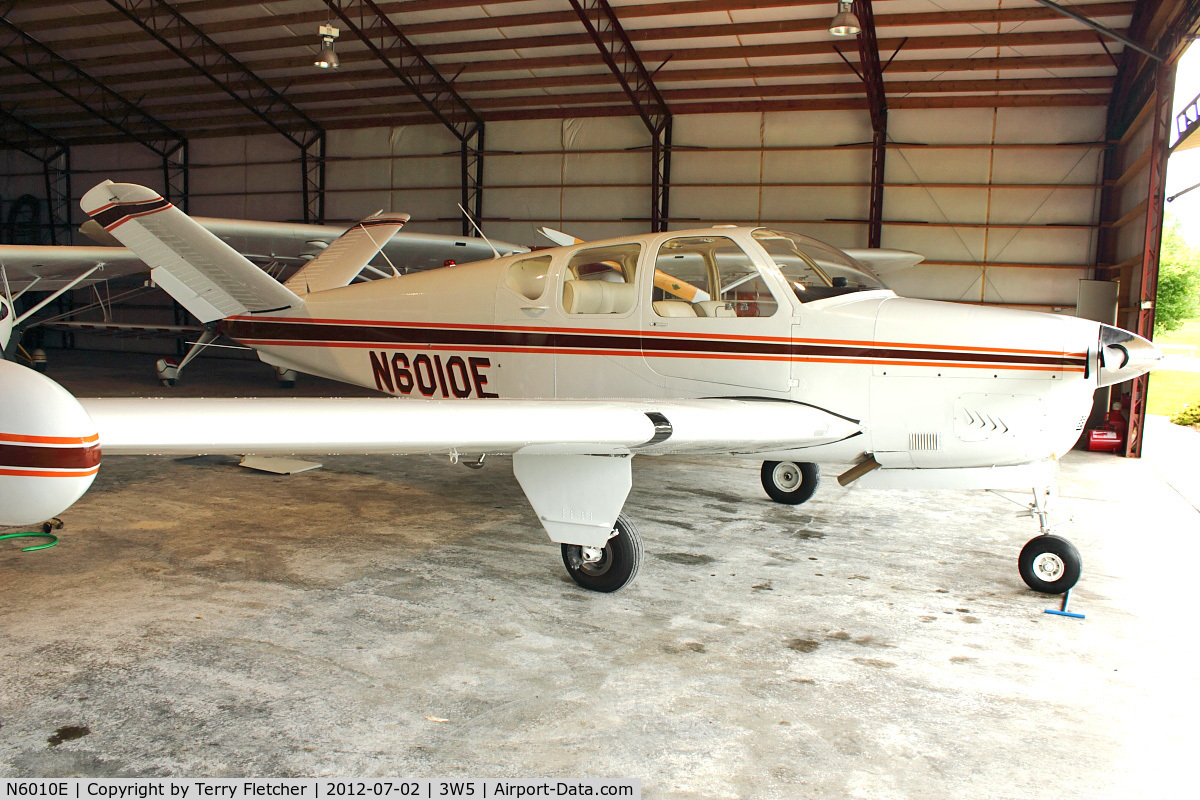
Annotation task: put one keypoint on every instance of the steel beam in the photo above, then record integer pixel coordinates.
(626, 65)
(52, 70)
(1101, 29)
(55, 158)
(872, 77)
(1151, 246)
(406, 63)
(171, 29)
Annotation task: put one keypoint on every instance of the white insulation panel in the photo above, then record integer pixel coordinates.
(806, 171)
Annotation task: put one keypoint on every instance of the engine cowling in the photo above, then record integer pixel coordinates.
(49, 447)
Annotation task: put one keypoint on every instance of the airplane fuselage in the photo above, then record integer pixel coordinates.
(722, 312)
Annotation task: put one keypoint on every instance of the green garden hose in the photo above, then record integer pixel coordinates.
(38, 534)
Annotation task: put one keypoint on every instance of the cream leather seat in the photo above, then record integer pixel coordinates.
(598, 297)
(673, 308)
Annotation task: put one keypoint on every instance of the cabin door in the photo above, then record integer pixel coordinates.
(712, 321)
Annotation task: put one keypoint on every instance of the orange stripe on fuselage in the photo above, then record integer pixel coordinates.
(25, 439)
(659, 354)
(45, 474)
(318, 321)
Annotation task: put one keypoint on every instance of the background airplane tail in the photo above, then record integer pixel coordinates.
(204, 274)
(346, 256)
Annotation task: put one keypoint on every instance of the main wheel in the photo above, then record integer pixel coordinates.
(1050, 564)
(608, 568)
(790, 482)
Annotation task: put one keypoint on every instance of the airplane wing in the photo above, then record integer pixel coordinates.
(284, 241)
(571, 457)
(50, 267)
(883, 261)
(123, 329)
(408, 250)
(392, 425)
(47, 268)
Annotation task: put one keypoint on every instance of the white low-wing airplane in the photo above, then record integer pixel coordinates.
(274, 245)
(726, 341)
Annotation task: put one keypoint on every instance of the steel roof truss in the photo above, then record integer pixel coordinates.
(55, 158)
(626, 65)
(406, 63)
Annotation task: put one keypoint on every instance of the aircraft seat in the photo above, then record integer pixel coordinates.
(673, 308)
(598, 297)
(715, 308)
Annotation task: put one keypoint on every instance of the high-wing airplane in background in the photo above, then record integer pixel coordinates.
(736, 341)
(275, 246)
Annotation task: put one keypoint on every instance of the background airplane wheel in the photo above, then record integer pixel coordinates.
(1050, 564)
(790, 482)
(619, 561)
(167, 371)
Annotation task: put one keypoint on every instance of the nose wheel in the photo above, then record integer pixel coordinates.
(607, 568)
(1050, 564)
(790, 482)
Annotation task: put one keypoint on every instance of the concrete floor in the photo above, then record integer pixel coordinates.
(406, 617)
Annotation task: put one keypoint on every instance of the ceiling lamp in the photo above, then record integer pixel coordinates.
(844, 24)
(326, 57)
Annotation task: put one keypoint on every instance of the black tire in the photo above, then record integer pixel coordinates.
(617, 567)
(1050, 564)
(790, 482)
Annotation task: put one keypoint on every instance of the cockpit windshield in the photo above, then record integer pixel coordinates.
(813, 269)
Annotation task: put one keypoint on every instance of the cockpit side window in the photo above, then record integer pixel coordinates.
(709, 276)
(813, 269)
(600, 280)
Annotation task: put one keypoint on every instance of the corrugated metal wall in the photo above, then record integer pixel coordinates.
(1003, 202)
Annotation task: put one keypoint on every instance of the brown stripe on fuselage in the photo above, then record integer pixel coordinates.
(34, 457)
(302, 333)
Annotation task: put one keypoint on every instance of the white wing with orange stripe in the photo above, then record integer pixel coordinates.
(208, 277)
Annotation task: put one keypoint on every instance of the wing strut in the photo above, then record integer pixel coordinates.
(57, 293)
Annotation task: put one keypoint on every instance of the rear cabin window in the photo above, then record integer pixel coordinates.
(527, 277)
(709, 276)
(600, 280)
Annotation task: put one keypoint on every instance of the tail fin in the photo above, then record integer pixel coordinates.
(347, 255)
(208, 277)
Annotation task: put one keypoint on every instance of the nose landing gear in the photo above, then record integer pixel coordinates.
(1049, 564)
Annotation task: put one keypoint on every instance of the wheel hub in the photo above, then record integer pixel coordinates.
(1048, 567)
(786, 476)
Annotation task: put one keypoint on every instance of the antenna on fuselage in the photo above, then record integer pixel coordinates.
(478, 230)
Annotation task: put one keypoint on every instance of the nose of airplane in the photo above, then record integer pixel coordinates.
(1124, 355)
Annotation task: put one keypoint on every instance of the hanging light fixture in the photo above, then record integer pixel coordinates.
(326, 57)
(845, 23)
